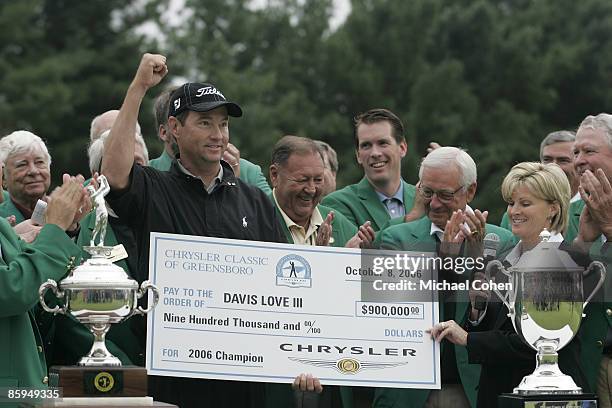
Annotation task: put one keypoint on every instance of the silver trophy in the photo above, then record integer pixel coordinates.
(546, 306)
(99, 293)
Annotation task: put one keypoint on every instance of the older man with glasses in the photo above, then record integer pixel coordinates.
(447, 185)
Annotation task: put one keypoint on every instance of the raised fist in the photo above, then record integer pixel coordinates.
(151, 70)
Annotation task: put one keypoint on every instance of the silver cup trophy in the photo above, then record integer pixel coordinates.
(545, 304)
(98, 293)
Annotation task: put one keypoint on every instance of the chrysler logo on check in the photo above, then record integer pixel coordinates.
(347, 366)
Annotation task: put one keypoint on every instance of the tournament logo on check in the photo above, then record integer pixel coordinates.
(293, 271)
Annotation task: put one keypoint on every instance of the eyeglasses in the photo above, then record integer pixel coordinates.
(443, 195)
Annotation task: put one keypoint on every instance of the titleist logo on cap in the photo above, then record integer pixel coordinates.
(208, 90)
(200, 97)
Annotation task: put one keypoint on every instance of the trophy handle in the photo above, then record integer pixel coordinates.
(50, 284)
(597, 266)
(146, 285)
(495, 266)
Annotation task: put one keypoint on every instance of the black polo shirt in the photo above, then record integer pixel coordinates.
(178, 203)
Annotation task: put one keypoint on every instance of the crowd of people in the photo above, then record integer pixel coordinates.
(200, 185)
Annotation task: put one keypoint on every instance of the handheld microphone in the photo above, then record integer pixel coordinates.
(491, 243)
(38, 216)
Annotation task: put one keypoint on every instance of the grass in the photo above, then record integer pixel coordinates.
(568, 313)
(77, 304)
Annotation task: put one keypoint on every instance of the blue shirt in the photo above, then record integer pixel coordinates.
(394, 205)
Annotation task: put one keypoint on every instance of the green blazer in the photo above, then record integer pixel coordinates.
(416, 235)
(505, 222)
(161, 163)
(281, 395)
(7, 208)
(250, 173)
(23, 268)
(391, 222)
(598, 320)
(360, 203)
(573, 226)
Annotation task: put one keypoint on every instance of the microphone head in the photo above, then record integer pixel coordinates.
(491, 243)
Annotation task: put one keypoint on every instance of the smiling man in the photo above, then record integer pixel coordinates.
(591, 221)
(592, 151)
(297, 174)
(447, 183)
(199, 195)
(381, 194)
(27, 173)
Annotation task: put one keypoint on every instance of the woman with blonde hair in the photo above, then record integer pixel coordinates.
(538, 197)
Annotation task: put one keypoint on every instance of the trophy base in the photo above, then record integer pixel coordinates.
(75, 381)
(547, 401)
(106, 361)
(547, 382)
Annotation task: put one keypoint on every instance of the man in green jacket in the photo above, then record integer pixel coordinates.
(382, 194)
(297, 174)
(160, 113)
(23, 268)
(593, 162)
(248, 172)
(27, 170)
(448, 184)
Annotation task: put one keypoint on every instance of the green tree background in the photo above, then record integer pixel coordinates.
(492, 76)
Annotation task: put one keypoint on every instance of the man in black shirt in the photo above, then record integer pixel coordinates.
(199, 195)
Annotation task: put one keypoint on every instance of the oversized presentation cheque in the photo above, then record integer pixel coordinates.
(258, 311)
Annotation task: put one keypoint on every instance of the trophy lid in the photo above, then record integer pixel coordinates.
(98, 273)
(546, 256)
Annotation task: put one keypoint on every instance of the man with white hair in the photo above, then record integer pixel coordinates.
(23, 268)
(96, 150)
(593, 163)
(591, 217)
(27, 173)
(117, 232)
(447, 183)
(104, 122)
